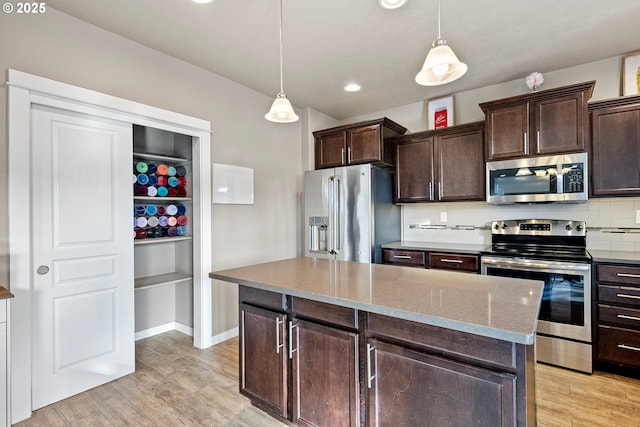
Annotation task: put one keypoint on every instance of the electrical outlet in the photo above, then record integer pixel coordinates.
(637, 216)
(443, 216)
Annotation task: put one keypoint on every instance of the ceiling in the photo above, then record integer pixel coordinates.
(329, 43)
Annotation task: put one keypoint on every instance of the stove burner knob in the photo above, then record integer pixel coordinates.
(578, 228)
(568, 227)
(504, 226)
(496, 227)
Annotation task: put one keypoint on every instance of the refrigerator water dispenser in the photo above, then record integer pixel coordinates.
(318, 228)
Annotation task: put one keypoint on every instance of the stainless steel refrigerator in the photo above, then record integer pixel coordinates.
(349, 213)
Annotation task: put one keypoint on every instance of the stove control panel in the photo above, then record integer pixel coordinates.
(539, 227)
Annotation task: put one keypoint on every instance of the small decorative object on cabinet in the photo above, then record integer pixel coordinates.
(552, 121)
(440, 112)
(363, 142)
(617, 328)
(631, 74)
(440, 165)
(615, 146)
(534, 80)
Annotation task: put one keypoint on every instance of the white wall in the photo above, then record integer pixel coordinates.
(57, 46)
(607, 213)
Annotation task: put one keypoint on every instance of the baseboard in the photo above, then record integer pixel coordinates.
(171, 326)
(187, 330)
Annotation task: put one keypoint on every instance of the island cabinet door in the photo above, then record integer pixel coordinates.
(325, 375)
(263, 358)
(411, 388)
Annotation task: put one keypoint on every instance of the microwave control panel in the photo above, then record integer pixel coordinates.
(573, 177)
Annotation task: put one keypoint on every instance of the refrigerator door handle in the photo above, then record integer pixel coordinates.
(330, 202)
(337, 223)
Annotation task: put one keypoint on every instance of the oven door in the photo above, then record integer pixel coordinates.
(566, 301)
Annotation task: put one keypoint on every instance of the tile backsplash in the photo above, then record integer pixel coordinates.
(611, 222)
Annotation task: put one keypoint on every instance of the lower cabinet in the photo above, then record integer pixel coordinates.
(263, 358)
(433, 391)
(469, 263)
(325, 375)
(319, 364)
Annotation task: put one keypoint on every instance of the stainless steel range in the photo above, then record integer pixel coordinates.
(553, 251)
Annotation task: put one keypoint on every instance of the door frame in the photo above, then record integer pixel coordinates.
(24, 90)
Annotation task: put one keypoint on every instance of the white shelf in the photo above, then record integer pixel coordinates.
(146, 156)
(160, 280)
(160, 199)
(159, 240)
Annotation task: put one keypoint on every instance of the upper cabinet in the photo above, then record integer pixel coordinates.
(552, 121)
(363, 142)
(615, 127)
(441, 165)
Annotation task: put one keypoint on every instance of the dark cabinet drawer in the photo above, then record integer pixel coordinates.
(619, 316)
(619, 345)
(315, 310)
(459, 262)
(403, 257)
(622, 274)
(619, 295)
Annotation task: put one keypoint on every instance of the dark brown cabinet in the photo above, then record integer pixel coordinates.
(263, 358)
(437, 260)
(457, 262)
(363, 142)
(615, 141)
(548, 122)
(336, 366)
(617, 326)
(441, 165)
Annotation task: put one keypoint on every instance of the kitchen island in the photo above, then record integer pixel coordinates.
(333, 343)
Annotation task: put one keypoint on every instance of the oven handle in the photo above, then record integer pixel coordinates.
(533, 264)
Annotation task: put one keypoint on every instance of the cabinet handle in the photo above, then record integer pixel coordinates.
(624, 316)
(279, 322)
(526, 143)
(342, 156)
(451, 261)
(430, 190)
(634, 276)
(349, 155)
(402, 256)
(538, 138)
(370, 377)
(439, 190)
(628, 296)
(628, 347)
(291, 349)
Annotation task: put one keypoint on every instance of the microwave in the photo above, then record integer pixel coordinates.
(561, 178)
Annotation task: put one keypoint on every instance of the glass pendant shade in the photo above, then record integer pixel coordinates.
(441, 66)
(281, 110)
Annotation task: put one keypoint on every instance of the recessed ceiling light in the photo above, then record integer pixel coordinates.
(202, 1)
(391, 4)
(352, 87)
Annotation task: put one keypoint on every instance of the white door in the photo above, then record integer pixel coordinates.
(83, 301)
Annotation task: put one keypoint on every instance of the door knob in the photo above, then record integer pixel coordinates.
(42, 270)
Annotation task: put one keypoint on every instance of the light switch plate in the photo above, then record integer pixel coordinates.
(443, 216)
(638, 216)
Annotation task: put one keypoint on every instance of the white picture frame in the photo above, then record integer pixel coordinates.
(232, 185)
(435, 107)
(631, 74)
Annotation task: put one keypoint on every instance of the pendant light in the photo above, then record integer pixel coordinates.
(442, 65)
(281, 110)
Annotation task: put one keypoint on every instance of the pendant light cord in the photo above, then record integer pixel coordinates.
(438, 20)
(281, 61)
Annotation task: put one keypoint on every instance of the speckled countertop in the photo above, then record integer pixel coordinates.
(615, 256)
(490, 306)
(462, 248)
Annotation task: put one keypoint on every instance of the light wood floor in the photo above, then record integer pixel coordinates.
(176, 384)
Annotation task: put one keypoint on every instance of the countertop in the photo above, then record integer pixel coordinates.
(462, 248)
(615, 256)
(4, 293)
(495, 307)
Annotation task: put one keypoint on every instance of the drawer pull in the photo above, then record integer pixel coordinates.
(634, 276)
(451, 261)
(628, 296)
(624, 316)
(628, 347)
(402, 256)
